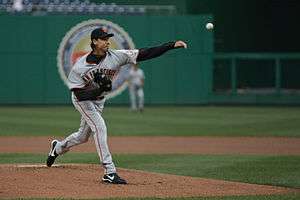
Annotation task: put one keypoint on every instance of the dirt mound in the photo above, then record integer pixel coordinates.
(83, 181)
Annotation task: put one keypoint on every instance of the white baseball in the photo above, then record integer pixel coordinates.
(209, 26)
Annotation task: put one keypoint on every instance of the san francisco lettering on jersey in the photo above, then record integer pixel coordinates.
(89, 76)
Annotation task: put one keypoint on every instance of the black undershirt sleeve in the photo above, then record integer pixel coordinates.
(144, 54)
(87, 94)
(153, 52)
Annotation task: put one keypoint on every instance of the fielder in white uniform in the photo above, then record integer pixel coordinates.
(88, 95)
(136, 80)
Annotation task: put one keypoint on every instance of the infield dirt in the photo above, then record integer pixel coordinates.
(83, 181)
(166, 145)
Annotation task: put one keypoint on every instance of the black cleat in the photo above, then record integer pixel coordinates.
(113, 178)
(52, 154)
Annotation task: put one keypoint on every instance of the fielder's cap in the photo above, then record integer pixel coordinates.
(100, 33)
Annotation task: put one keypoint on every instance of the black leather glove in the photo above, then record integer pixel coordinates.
(103, 81)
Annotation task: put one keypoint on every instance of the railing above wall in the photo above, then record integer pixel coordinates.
(257, 56)
(256, 73)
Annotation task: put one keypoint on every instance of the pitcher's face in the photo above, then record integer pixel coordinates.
(102, 44)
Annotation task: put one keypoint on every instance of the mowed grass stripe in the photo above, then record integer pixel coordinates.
(181, 120)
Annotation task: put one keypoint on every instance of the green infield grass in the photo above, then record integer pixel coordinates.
(184, 121)
(258, 197)
(266, 170)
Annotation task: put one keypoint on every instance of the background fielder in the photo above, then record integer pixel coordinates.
(89, 81)
(136, 81)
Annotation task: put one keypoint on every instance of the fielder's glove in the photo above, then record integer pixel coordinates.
(103, 81)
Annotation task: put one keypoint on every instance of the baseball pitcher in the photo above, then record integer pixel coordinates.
(89, 81)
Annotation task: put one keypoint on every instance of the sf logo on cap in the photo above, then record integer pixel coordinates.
(104, 29)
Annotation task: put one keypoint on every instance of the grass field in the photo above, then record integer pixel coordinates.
(173, 121)
(185, 121)
(273, 197)
(279, 197)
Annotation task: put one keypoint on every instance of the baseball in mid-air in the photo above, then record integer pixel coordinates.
(209, 26)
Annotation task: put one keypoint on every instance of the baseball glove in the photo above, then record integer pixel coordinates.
(102, 81)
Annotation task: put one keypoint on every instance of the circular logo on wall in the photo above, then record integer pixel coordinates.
(76, 43)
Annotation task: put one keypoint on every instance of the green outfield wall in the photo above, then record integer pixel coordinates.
(29, 49)
(193, 76)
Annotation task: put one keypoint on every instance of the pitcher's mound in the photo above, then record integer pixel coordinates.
(83, 181)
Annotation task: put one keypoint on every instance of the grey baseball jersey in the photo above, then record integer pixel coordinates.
(92, 122)
(82, 72)
(136, 76)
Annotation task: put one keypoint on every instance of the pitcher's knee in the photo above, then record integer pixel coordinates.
(84, 139)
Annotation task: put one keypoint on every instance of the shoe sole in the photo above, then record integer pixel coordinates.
(111, 182)
(51, 156)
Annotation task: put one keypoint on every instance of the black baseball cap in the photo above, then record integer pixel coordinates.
(100, 33)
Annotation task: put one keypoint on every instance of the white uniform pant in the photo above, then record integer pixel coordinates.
(91, 123)
(136, 92)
